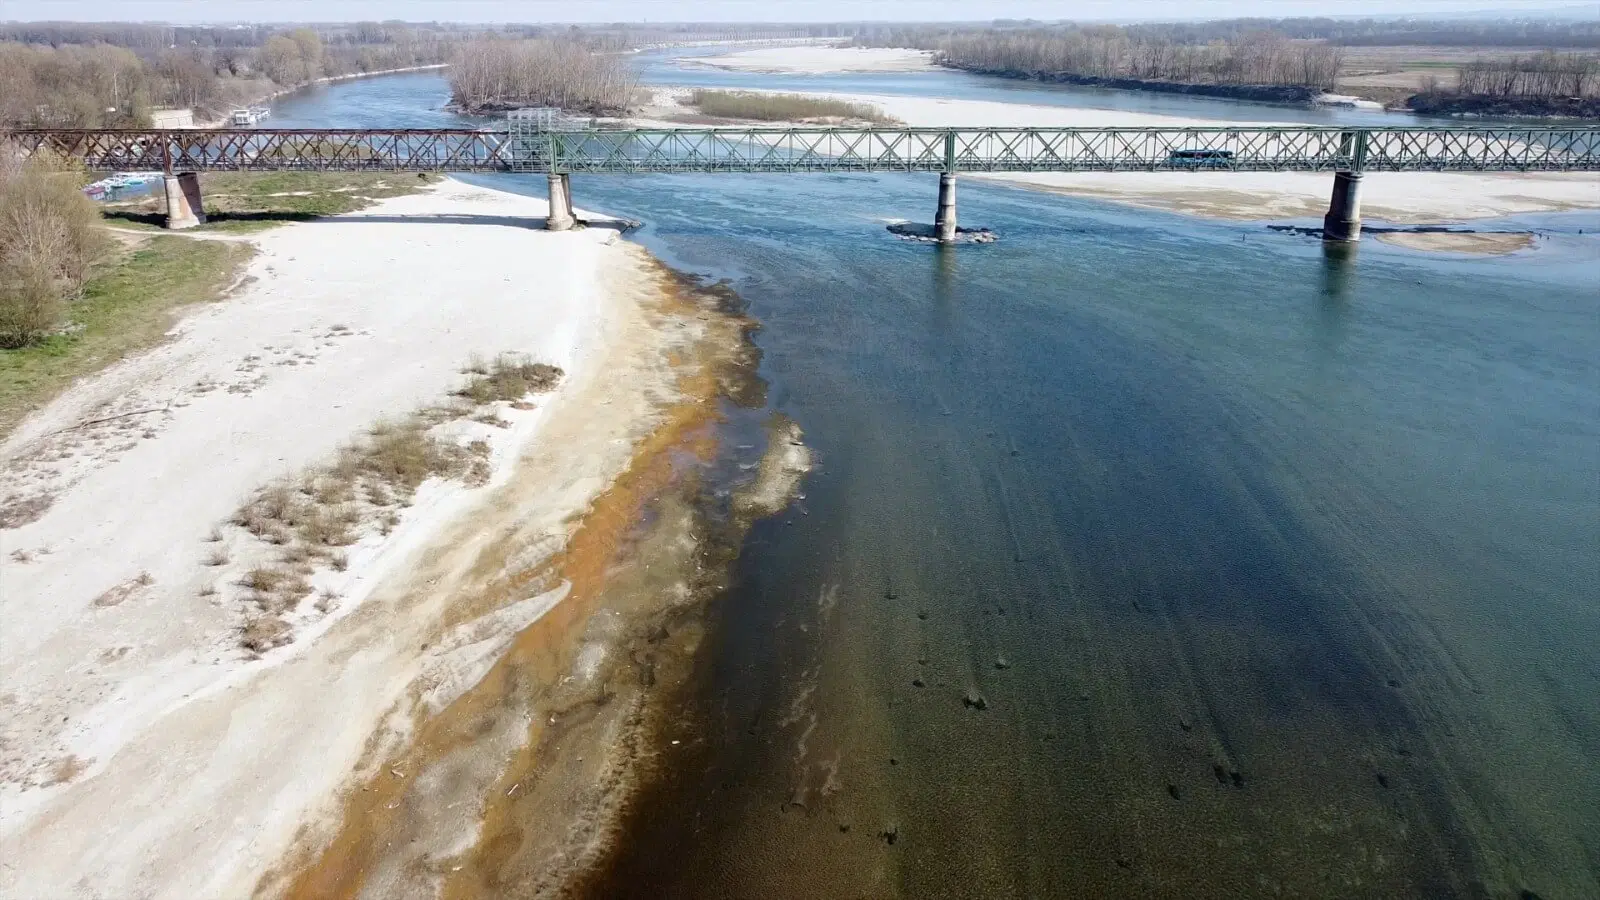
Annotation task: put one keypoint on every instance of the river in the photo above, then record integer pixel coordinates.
(1145, 555)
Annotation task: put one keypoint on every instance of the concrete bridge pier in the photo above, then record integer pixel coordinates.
(944, 221)
(1343, 221)
(561, 217)
(185, 208)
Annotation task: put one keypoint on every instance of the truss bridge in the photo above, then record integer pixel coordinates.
(532, 145)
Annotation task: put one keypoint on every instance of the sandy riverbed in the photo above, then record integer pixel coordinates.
(1455, 242)
(819, 60)
(145, 753)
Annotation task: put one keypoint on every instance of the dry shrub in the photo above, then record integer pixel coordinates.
(511, 377)
(404, 455)
(785, 107)
(313, 515)
(263, 633)
(50, 235)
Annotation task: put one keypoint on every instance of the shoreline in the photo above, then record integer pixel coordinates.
(567, 723)
(223, 121)
(121, 641)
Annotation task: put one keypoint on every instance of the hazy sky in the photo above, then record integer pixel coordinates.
(722, 10)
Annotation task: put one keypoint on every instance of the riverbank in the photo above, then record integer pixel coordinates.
(1254, 93)
(224, 121)
(131, 681)
(1476, 106)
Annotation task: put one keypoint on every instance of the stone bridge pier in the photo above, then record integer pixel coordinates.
(944, 221)
(185, 207)
(1343, 221)
(561, 217)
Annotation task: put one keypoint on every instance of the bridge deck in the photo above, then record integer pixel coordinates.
(655, 150)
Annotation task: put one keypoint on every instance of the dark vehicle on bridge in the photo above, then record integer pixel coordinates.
(1200, 158)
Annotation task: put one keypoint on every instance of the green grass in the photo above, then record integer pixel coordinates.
(784, 107)
(238, 202)
(127, 306)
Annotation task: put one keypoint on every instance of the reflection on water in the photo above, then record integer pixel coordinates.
(1338, 275)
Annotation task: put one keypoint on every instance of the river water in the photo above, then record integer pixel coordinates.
(1145, 556)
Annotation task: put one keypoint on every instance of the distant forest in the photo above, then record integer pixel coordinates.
(1518, 33)
(93, 75)
(1561, 77)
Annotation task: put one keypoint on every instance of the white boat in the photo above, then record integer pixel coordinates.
(246, 116)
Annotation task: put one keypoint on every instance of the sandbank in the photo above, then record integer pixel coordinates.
(145, 753)
(1495, 244)
(818, 60)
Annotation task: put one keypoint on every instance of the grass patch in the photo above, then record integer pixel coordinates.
(245, 202)
(510, 377)
(785, 107)
(309, 518)
(127, 305)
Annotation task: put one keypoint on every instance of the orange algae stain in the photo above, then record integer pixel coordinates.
(374, 815)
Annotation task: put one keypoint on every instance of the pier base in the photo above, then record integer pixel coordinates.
(1343, 221)
(561, 217)
(944, 221)
(185, 208)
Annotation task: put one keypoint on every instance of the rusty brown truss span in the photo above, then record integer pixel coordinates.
(633, 151)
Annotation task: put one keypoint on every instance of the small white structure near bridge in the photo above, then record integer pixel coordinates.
(171, 118)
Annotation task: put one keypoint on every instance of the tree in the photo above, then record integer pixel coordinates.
(280, 60)
(310, 45)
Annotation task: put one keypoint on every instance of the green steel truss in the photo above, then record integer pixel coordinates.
(753, 150)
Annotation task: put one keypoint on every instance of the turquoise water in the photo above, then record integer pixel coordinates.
(1145, 556)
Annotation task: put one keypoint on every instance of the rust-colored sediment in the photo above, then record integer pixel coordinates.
(373, 813)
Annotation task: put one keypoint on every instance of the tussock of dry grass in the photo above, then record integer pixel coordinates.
(510, 377)
(263, 633)
(310, 517)
(785, 107)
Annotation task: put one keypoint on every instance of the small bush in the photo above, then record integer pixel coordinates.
(785, 107)
(511, 377)
(264, 633)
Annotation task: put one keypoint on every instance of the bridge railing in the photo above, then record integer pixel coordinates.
(627, 151)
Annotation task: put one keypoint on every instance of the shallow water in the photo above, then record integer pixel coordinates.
(1144, 557)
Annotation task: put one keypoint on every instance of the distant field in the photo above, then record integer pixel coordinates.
(1390, 74)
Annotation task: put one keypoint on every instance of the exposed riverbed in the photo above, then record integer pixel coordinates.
(1143, 556)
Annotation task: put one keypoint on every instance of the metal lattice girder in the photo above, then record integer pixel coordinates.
(645, 150)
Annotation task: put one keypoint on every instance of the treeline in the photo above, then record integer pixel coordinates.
(1548, 74)
(1387, 32)
(1544, 84)
(1112, 52)
(76, 75)
(496, 75)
